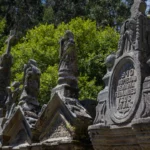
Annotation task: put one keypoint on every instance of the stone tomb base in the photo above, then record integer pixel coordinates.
(135, 137)
(64, 145)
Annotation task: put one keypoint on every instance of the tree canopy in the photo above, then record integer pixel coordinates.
(22, 15)
(41, 44)
(104, 12)
(93, 24)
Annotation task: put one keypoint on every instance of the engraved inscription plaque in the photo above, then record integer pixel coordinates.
(124, 90)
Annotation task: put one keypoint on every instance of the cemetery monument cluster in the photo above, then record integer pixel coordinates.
(122, 120)
(60, 124)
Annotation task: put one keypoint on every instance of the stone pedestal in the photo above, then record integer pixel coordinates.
(122, 122)
(106, 138)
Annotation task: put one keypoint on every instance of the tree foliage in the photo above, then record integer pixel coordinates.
(2, 34)
(20, 15)
(41, 44)
(109, 12)
(63, 11)
(105, 12)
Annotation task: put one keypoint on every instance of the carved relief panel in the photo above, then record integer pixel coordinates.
(124, 89)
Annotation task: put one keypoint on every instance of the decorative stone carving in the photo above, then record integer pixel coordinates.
(68, 70)
(123, 117)
(58, 129)
(12, 98)
(5, 67)
(60, 124)
(131, 38)
(16, 131)
(64, 118)
(125, 88)
(127, 37)
(57, 123)
(67, 82)
(146, 95)
(28, 100)
(102, 99)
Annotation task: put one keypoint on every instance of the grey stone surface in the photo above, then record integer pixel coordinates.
(102, 107)
(90, 106)
(58, 124)
(28, 99)
(16, 130)
(5, 70)
(123, 112)
(68, 70)
(61, 124)
(64, 117)
(67, 82)
(12, 98)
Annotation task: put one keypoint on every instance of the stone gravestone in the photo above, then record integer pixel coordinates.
(12, 98)
(61, 124)
(101, 108)
(64, 121)
(5, 74)
(5, 71)
(18, 127)
(123, 112)
(28, 99)
(68, 71)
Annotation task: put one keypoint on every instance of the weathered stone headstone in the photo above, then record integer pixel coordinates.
(18, 124)
(16, 131)
(12, 98)
(65, 120)
(68, 71)
(102, 107)
(5, 70)
(61, 124)
(28, 99)
(123, 112)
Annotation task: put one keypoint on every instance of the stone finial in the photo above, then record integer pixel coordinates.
(110, 61)
(68, 60)
(5, 70)
(28, 99)
(139, 6)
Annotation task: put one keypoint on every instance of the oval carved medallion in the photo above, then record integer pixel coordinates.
(124, 89)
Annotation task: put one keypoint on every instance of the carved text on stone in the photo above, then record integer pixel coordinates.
(125, 91)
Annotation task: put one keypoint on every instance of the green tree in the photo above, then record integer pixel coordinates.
(20, 14)
(92, 45)
(109, 12)
(63, 11)
(105, 12)
(2, 33)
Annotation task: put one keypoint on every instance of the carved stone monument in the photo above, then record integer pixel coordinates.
(61, 124)
(123, 112)
(18, 125)
(66, 118)
(5, 70)
(68, 71)
(13, 96)
(28, 100)
(101, 108)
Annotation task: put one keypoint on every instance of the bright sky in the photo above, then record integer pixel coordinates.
(148, 2)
